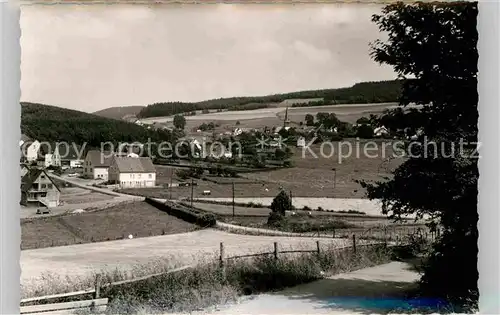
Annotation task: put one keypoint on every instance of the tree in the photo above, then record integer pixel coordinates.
(432, 46)
(364, 132)
(309, 120)
(279, 154)
(281, 203)
(363, 121)
(179, 122)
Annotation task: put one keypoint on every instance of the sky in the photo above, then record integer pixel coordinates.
(90, 57)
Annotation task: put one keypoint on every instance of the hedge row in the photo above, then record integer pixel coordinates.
(185, 213)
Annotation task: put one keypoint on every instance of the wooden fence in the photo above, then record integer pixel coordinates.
(99, 303)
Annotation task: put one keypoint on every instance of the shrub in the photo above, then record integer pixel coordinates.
(275, 219)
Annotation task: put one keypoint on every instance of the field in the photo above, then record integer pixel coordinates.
(139, 219)
(75, 195)
(273, 116)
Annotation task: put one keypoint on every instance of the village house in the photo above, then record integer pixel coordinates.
(37, 188)
(301, 142)
(132, 172)
(96, 164)
(60, 155)
(380, 131)
(29, 150)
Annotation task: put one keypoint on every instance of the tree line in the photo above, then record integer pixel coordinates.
(366, 92)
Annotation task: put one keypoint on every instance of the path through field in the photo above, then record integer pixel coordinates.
(376, 290)
(77, 261)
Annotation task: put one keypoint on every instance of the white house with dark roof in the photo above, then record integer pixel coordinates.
(96, 164)
(132, 172)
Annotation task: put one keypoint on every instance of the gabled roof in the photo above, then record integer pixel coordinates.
(100, 159)
(30, 177)
(134, 165)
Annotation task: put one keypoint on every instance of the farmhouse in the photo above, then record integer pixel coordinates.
(96, 164)
(132, 172)
(37, 188)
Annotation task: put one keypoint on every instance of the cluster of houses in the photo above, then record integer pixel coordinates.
(126, 170)
(38, 188)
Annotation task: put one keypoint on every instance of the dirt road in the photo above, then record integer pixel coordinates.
(373, 290)
(78, 261)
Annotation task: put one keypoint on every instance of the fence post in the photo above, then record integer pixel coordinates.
(97, 286)
(221, 260)
(318, 249)
(354, 243)
(275, 250)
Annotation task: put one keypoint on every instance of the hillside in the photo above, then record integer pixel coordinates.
(51, 123)
(360, 93)
(119, 112)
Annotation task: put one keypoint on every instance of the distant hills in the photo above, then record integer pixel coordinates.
(51, 123)
(122, 112)
(360, 93)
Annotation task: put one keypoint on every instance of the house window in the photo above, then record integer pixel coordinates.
(43, 186)
(49, 186)
(42, 176)
(44, 194)
(139, 176)
(150, 176)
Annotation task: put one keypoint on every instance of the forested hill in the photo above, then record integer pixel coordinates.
(51, 123)
(119, 112)
(360, 93)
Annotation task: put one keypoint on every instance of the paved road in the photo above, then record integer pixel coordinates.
(368, 291)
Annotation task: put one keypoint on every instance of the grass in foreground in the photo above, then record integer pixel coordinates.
(205, 286)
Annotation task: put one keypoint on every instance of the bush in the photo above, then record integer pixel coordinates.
(207, 220)
(275, 219)
(364, 132)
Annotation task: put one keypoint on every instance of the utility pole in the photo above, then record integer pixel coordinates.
(291, 200)
(170, 186)
(233, 199)
(192, 192)
(334, 177)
